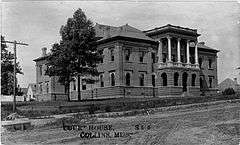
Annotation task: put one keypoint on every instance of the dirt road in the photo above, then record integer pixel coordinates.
(217, 124)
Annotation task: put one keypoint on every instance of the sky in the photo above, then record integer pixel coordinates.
(38, 23)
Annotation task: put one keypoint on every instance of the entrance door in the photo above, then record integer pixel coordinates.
(184, 81)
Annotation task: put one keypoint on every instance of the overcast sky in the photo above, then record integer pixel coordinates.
(38, 24)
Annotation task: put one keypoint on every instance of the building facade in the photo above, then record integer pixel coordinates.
(161, 62)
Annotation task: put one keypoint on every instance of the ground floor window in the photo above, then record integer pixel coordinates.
(176, 76)
(128, 79)
(193, 79)
(153, 81)
(164, 79)
(101, 81)
(112, 78)
(141, 79)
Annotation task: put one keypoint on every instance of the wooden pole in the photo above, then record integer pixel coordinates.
(14, 71)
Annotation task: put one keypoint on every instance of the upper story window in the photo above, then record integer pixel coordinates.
(127, 54)
(153, 57)
(47, 87)
(112, 54)
(210, 63)
(141, 56)
(164, 57)
(40, 70)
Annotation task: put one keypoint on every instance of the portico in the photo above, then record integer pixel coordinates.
(173, 46)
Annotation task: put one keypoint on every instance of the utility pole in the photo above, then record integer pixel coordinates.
(15, 43)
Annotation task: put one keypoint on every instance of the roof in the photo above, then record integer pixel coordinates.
(33, 86)
(229, 83)
(202, 45)
(170, 27)
(126, 31)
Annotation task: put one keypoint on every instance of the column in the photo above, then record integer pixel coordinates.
(178, 50)
(169, 48)
(196, 53)
(188, 59)
(160, 51)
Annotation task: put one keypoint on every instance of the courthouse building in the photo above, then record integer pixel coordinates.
(161, 62)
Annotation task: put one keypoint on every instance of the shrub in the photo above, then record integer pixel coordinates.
(108, 109)
(92, 108)
(228, 91)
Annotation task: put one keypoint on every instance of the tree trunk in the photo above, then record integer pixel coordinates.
(79, 92)
(67, 91)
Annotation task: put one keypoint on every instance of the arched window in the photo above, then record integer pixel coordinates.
(141, 79)
(176, 76)
(164, 79)
(101, 81)
(128, 79)
(193, 79)
(112, 79)
(153, 81)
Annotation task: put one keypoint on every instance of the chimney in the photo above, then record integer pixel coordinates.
(235, 80)
(107, 32)
(44, 51)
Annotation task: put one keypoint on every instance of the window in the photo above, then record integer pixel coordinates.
(200, 62)
(153, 57)
(209, 63)
(84, 86)
(74, 85)
(40, 69)
(128, 79)
(101, 81)
(176, 76)
(201, 83)
(141, 79)
(173, 57)
(40, 88)
(127, 54)
(141, 56)
(210, 82)
(193, 79)
(164, 57)
(164, 79)
(47, 88)
(153, 81)
(182, 58)
(112, 54)
(112, 76)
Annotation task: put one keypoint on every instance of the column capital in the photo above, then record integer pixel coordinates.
(169, 37)
(159, 40)
(179, 39)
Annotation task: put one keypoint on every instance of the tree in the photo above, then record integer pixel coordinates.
(7, 68)
(76, 54)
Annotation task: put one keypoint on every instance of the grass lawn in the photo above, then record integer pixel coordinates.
(33, 109)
